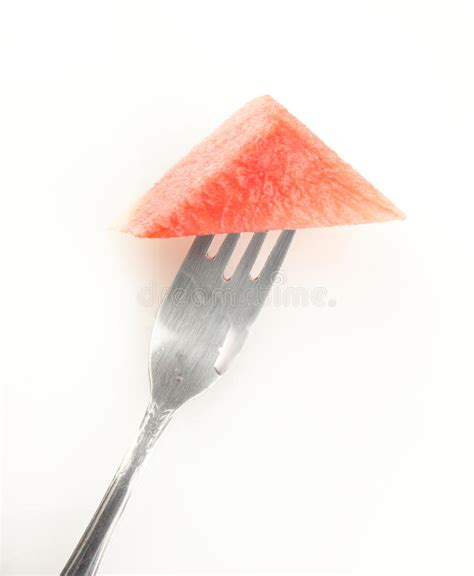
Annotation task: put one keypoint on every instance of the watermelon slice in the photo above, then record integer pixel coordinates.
(260, 170)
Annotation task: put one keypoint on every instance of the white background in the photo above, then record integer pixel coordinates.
(342, 439)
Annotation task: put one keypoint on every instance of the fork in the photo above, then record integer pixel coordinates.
(201, 326)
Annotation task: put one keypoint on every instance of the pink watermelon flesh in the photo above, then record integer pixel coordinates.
(260, 170)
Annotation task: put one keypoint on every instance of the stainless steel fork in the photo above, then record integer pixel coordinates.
(201, 326)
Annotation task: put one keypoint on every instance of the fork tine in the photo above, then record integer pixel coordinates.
(198, 250)
(201, 245)
(276, 258)
(225, 251)
(250, 255)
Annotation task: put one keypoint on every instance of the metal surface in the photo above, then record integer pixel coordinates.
(201, 326)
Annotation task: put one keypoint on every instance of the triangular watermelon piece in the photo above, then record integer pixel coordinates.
(260, 170)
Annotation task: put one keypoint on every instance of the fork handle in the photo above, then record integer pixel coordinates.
(88, 553)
